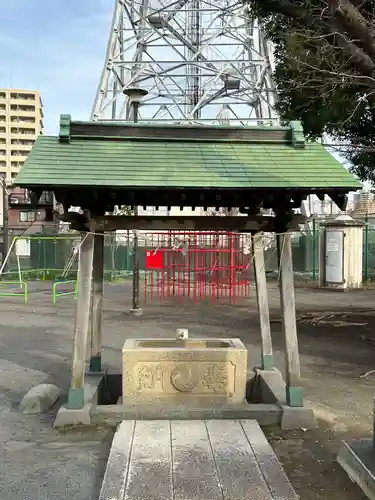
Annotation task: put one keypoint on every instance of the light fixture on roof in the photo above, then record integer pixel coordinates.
(135, 96)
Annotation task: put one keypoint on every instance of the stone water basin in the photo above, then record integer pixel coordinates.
(196, 372)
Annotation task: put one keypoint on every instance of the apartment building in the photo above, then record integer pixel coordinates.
(21, 121)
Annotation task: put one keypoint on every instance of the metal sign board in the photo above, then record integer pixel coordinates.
(335, 257)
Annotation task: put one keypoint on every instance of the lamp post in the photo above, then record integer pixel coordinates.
(135, 96)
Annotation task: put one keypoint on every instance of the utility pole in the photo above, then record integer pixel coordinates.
(135, 96)
(5, 220)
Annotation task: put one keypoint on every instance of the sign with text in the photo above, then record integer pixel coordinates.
(154, 259)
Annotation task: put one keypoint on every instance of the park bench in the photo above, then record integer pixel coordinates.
(193, 460)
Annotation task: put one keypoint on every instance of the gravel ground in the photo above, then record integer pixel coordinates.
(336, 336)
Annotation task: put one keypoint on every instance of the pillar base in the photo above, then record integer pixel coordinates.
(135, 312)
(67, 417)
(294, 396)
(76, 399)
(267, 362)
(95, 365)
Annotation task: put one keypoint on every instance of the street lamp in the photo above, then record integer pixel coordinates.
(135, 96)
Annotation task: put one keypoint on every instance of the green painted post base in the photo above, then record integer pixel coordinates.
(95, 365)
(76, 399)
(267, 362)
(294, 396)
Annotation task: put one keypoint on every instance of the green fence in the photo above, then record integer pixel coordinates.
(49, 257)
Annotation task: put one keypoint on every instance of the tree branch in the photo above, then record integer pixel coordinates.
(354, 23)
(292, 11)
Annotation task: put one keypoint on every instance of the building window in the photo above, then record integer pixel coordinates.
(20, 119)
(22, 107)
(3, 140)
(16, 164)
(22, 142)
(2, 130)
(2, 107)
(22, 95)
(23, 131)
(2, 95)
(3, 163)
(27, 216)
(18, 152)
(3, 152)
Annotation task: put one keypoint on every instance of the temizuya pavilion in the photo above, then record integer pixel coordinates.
(98, 165)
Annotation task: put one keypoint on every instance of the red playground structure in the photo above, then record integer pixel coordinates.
(197, 266)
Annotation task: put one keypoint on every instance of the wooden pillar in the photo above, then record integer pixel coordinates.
(82, 322)
(262, 298)
(95, 365)
(288, 310)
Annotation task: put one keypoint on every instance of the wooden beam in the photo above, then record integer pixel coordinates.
(82, 322)
(97, 304)
(192, 223)
(288, 310)
(262, 298)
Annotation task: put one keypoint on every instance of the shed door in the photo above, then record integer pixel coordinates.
(334, 257)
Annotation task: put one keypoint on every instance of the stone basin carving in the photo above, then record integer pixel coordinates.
(192, 372)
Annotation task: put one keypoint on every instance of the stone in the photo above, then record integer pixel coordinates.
(112, 415)
(357, 458)
(182, 333)
(192, 372)
(135, 312)
(66, 417)
(40, 398)
(272, 386)
(193, 460)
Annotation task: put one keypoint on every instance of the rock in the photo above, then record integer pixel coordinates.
(40, 398)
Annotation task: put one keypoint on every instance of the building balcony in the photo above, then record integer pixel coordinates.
(22, 124)
(22, 199)
(23, 134)
(18, 158)
(22, 113)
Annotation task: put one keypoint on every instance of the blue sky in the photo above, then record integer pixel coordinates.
(56, 47)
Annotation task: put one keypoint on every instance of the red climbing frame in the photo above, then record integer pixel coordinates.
(197, 266)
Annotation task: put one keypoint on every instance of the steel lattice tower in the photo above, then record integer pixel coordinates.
(200, 60)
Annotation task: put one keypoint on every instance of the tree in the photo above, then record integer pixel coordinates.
(325, 71)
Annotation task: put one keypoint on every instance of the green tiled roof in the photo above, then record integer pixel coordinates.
(152, 162)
